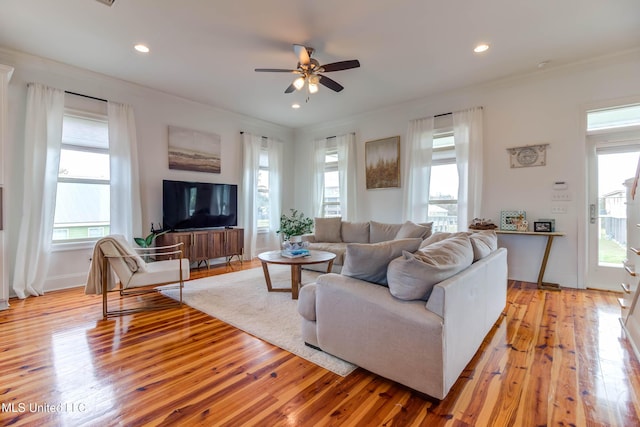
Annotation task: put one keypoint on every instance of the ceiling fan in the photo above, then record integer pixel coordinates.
(309, 70)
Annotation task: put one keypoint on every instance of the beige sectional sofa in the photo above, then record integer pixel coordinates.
(333, 235)
(423, 322)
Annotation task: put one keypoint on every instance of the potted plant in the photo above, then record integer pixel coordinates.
(294, 225)
(146, 242)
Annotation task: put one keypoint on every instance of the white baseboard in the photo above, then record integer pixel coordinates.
(4, 304)
(65, 281)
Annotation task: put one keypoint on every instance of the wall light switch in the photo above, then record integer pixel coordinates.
(558, 210)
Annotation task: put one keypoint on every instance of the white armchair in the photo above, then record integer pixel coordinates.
(113, 254)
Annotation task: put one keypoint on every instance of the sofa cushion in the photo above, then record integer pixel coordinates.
(355, 232)
(484, 243)
(369, 261)
(410, 229)
(328, 230)
(381, 232)
(413, 276)
(337, 248)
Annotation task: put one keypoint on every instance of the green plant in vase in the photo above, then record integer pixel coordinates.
(295, 224)
(146, 242)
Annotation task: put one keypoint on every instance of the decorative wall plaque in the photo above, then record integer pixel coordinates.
(529, 155)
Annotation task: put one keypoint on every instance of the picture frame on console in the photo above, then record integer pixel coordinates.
(382, 163)
(509, 220)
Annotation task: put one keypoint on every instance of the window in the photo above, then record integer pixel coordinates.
(331, 201)
(82, 197)
(263, 189)
(443, 187)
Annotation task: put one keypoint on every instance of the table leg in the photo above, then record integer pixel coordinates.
(543, 267)
(267, 278)
(330, 266)
(296, 278)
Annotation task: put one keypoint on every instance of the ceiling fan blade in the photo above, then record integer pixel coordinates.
(339, 66)
(290, 89)
(331, 84)
(302, 54)
(275, 70)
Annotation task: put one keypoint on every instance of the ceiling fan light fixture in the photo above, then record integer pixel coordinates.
(313, 87)
(298, 83)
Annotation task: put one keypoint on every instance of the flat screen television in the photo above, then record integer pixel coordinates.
(197, 205)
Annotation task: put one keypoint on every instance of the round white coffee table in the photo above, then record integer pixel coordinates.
(274, 257)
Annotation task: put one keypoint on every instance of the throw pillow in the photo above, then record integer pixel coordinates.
(381, 232)
(369, 261)
(413, 276)
(483, 242)
(328, 230)
(410, 229)
(355, 232)
(439, 236)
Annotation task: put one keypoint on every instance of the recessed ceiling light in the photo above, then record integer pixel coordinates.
(141, 48)
(481, 48)
(295, 106)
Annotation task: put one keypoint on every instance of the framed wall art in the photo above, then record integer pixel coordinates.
(192, 150)
(382, 163)
(529, 155)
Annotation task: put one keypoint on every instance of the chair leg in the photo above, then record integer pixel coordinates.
(105, 265)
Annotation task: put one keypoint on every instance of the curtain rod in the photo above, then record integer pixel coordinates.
(242, 133)
(448, 114)
(85, 96)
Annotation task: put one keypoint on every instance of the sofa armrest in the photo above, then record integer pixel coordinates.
(470, 303)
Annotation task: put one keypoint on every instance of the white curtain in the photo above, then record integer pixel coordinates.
(251, 167)
(43, 138)
(125, 205)
(320, 152)
(467, 133)
(252, 146)
(418, 153)
(275, 151)
(346, 145)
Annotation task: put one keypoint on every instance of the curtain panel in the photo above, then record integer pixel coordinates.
(252, 146)
(467, 133)
(42, 142)
(317, 168)
(125, 206)
(251, 166)
(418, 154)
(346, 147)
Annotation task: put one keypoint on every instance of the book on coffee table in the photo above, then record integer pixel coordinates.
(295, 253)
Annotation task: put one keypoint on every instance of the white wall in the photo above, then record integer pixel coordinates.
(547, 106)
(154, 111)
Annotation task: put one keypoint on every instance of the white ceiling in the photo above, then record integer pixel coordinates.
(207, 50)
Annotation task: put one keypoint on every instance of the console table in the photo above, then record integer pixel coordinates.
(202, 245)
(545, 258)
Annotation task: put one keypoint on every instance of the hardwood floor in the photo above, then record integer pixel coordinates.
(554, 358)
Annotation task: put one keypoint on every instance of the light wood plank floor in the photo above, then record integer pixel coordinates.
(554, 358)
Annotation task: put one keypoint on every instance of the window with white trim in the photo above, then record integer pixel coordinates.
(443, 187)
(263, 189)
(82, 196)
(331, 200)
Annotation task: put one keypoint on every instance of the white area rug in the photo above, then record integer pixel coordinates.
(241, 300)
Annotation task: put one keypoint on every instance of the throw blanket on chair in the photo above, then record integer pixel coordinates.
(117, 244)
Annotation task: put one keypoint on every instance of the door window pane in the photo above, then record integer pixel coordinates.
(613, 170)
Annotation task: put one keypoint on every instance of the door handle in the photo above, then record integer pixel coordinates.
(592, 213)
